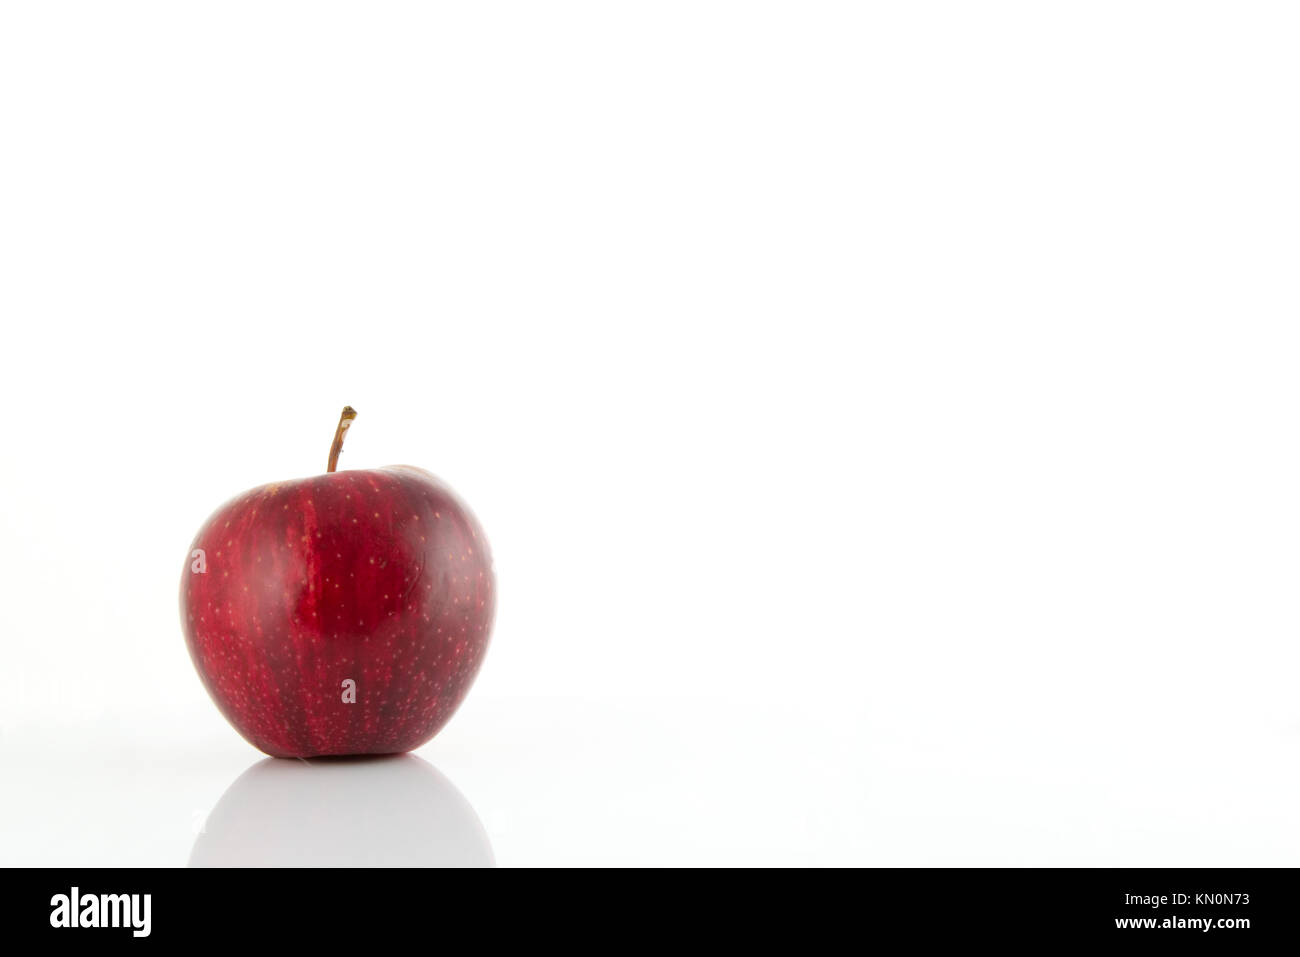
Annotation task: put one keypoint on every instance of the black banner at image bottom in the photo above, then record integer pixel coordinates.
(108, 908)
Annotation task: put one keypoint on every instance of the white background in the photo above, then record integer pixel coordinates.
(884, 415)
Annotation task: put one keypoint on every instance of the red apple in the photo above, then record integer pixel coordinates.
(346, 613)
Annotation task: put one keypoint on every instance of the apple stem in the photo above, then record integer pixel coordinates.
(345, 421)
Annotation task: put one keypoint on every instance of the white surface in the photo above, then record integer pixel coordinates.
(884, 416)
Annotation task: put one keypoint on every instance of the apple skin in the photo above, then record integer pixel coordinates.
(381, 576)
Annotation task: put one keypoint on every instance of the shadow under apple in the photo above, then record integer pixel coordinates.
(390, 811)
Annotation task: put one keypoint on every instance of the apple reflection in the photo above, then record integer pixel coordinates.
(391, 811)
